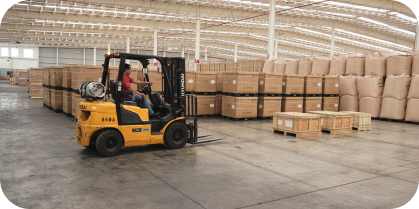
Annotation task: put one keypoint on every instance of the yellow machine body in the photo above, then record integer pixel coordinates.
(98, 116)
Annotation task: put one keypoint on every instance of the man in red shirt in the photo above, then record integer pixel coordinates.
(139, 97)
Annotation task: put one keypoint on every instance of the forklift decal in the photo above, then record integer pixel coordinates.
(82, 107)
(105, 119)
(182, 85)
(140, 130)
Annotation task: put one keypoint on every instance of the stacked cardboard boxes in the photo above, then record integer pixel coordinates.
(67, 91)
(270, 91)
(293, 93)
(330, 85)
(312, 93)
(22, 77)
(80, 73)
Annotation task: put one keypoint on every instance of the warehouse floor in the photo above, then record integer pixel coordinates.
(42, 166)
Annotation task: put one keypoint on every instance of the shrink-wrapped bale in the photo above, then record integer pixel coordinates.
(348, 103)
(370, 105)
(355, 65)
(304, 66)
(412, 113)
(348, 85)
(292, 68)
(338, 64)
(375, 64)
(397, 87)
(415, 63)
(268, 67)
(399, 65)
(414, 88)
(370, 86)
(320, 67)
(393, 108)
(280, 66)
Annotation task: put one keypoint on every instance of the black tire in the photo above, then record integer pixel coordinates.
(176, 135)
(108, 143)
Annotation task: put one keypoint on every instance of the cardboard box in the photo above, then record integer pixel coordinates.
(361, 120)
(240, 82)
(313, 84)
(36, 75)
(36, 90)
(292, 104)
(239, 107)
(75, 103)
(47, 97)
(206, 104)
(22, 82)
(190, 81)
(330, 85)
(268, 105)
(57, 99)
(206, 82)
(154, 77)
(334, 120)
(67, 98)
(80, 73)
(44, 95)
(23, 73)
(330, 104)
(218, 104)
(270, 83)
(219, 82)
(312, 104)
(45, 79)
(301, 124)
(56, 76)
(66, 77)
(293, 84)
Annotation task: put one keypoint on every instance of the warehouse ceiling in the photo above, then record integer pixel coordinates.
(302, 27)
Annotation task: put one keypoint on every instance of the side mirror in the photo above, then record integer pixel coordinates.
(145, 70)
(159, 70)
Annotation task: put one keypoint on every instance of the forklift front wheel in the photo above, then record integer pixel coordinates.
(108, 143)
(176, 135)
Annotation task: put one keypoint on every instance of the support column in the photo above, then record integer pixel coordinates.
(197, 42)
(57, 56)
(271, 30)
(94, 55)
(417, 38)
(332, 52)
(206, 52)
(276, 48)
(235, 51)
(128, 45)
(84, 56)
(155, 46)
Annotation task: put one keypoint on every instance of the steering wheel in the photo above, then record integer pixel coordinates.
(146, 89)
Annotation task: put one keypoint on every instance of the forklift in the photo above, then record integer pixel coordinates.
(107, 122)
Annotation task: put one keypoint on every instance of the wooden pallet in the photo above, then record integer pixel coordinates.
(343, 131)
(366, 128)
(298, 135)
(37, 97)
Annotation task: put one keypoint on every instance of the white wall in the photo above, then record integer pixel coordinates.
(19, 62)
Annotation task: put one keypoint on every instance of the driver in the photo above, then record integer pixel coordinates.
(139, 97)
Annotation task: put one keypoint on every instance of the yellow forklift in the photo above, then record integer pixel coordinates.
(107, 122)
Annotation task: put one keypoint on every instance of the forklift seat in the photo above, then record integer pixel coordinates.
(112, 85)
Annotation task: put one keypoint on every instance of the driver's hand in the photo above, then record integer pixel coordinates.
(149, 82)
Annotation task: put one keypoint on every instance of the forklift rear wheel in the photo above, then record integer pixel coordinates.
(176, 135)
(108, 143)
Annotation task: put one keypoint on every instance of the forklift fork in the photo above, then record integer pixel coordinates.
(192, 113)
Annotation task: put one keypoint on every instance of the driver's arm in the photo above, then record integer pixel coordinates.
(140, 82)
(131, 89)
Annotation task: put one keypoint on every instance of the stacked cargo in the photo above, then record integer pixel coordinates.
(330, 85)
(239, 100)
(35, 82)
(348, 93)
(292, 67)
(320, 67)
(22, 78)
(280, 66)
(375, 64)
(46, 89)
(293, 93)
(300, 124)
(205, 91)
(312, 93)
(412, 113)
(80, 73)
(270, 90)
(335, 122)
(66, 84)
(305, 65)
(338, 64)
(393, 105)
(370, 90)
(355, 65)
(56, 82)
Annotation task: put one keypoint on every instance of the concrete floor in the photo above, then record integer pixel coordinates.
(42, 166)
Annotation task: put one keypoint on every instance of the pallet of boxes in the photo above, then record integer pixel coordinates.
(240, 93)
(67, 90)
(80, 73)
(270, 91)
(46, 88)
(3, 77)
(56, 89)
(22, 77)
(35, 88)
